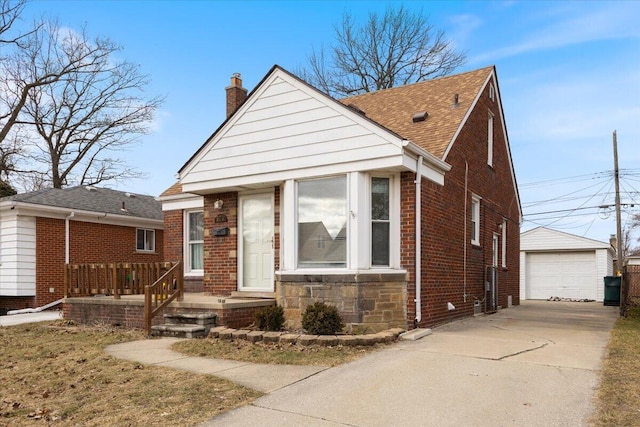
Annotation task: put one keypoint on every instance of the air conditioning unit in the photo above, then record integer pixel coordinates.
(491, 289)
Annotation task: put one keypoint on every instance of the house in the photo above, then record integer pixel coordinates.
(394, 206)
(558, 264)
(42, 231)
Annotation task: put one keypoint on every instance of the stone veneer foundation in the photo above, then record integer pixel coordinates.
(369, 302)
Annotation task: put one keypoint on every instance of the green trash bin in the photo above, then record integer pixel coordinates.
(612, 290)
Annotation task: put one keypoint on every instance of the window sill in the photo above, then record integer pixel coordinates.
(346, 276)
(194, 275)
(138, 251)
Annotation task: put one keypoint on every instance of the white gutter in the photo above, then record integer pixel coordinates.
(32, 209)
(66, 236)
(418, 220)
(35, 310)
(429, 158)
(464, 241)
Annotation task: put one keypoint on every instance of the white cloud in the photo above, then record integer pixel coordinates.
(575, 26)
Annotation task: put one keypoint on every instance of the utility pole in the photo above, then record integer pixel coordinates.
(616, 173)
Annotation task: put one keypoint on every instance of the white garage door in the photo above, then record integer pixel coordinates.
(565, 275)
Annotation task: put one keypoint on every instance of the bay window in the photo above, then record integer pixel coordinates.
(341, 223)
(380, 222)
(322, 223)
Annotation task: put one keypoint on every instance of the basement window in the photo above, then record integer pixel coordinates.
(145, 240)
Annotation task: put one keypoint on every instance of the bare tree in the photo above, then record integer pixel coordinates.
(10, 11)
(80, 105)
(629, 236)
(395, 49)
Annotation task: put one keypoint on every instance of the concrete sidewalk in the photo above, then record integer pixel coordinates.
(536, 364)
(18, 319)
(264, 378)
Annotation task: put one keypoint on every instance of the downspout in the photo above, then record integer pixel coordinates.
(418, 241)
(464, 240)
(66, 237)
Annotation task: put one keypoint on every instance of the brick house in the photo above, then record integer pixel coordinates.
(395, 206)
(42, 231)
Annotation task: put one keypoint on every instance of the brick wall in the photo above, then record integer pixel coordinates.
(88, 243)
(443, 224)
(15, 303)
(130, 314)
(173, 235)
(220, 252)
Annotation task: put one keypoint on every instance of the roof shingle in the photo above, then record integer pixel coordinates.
(394, 108)
(94, 199)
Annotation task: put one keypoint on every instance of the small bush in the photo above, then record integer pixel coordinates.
(270, 318)
(322, 319)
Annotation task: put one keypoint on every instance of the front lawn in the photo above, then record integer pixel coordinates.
(59, 374)
(619, 393)
(281, 354)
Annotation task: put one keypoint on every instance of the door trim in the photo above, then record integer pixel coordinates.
(240, 254)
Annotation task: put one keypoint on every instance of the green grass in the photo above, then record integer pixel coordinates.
(619, 392)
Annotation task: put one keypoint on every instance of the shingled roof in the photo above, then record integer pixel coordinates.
(94, 199)
(394, 108)
(176, 188)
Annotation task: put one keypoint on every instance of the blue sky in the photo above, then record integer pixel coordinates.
(569, 75)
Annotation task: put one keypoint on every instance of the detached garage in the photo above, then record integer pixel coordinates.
(558, 264)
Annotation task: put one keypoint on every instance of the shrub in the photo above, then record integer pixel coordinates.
(322, 319)
(270, 318)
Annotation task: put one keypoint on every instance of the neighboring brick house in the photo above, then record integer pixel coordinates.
(42, 230)
(245, 212)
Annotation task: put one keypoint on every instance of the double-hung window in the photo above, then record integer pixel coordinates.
(195, 241)
(475, 220)
(322, 222)
(504, 243)
(380, 222)
(490, 139)
(145, 240)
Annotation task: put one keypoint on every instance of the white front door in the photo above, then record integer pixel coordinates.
(255, 243)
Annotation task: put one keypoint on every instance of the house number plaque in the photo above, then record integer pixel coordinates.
(220, 218)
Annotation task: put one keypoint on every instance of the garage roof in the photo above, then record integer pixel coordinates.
(546, 239)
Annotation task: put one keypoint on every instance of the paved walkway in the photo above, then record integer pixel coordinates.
(17, 319)
(536, 364)
(264, 378)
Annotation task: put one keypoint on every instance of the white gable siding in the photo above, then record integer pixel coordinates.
(289, 127)
(544, 239)
(17, 256)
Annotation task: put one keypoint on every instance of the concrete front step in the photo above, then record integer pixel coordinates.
(179, 331)
(207, 319)
(185, 325)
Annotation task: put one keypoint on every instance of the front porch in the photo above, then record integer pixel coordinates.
(140, 295)
(128, 310)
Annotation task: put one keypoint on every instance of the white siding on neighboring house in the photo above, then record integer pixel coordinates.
(286, 130)
(17, 256)
(559, 264)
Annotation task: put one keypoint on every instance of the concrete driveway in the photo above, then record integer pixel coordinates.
(532, 365)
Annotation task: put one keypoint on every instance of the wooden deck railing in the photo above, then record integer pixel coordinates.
(116, 279)
(169, 287)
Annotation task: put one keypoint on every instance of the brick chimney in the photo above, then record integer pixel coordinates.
(236, 94)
